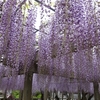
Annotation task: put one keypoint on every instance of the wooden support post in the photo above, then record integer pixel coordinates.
(45, 94)
(53, 95)
(69, 96)
(5, 93)
(27, 91)
(62, 95)
(96, 91)
(49, 95)
(66, 96)
(72, 96)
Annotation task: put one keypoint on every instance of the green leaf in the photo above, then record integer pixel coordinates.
(16, 94)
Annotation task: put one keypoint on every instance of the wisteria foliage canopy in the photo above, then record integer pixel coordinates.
(68, 45)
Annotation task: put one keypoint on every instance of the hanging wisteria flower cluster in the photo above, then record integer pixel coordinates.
(18, 34)
(72, 45)
(12, 83)
(42, 82)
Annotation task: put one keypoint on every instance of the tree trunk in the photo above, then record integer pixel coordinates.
(90, 96)
(42, 95)
(79, 95)
(96, 91)
(68, 97)
(21, 95)
(27, 91)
